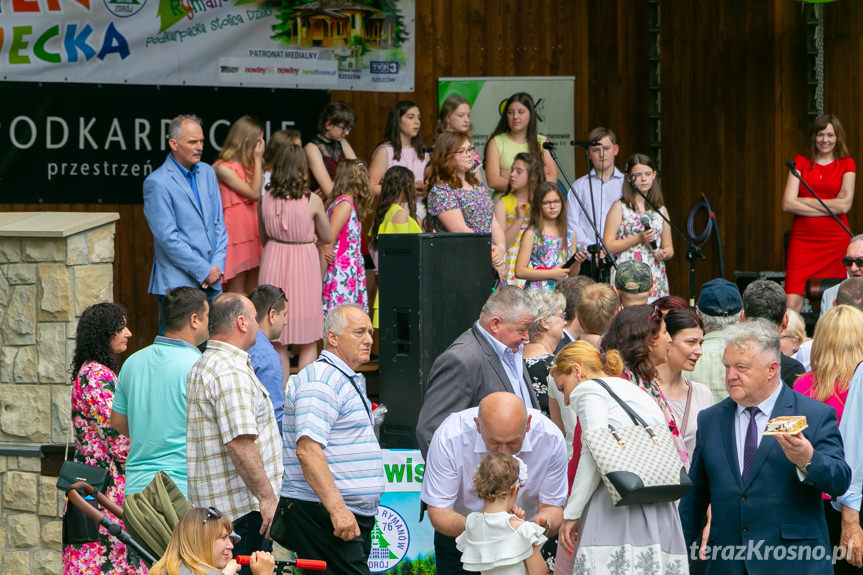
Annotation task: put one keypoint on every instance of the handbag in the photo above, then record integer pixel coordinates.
(77, 527)
(639, 464)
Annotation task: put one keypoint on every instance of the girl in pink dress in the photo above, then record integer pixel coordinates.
(239, 172)
(345, 279)
(290, 217)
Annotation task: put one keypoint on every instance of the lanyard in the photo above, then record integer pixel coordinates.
(353, 384)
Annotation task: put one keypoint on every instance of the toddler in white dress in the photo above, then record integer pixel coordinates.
(496, 541)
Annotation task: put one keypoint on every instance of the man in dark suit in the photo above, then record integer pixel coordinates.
(767, 513)
(484, 359)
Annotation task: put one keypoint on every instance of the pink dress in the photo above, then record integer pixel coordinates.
(290, 261)
(345, 281)
(241, 223)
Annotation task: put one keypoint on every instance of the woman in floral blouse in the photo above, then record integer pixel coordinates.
(101, 336)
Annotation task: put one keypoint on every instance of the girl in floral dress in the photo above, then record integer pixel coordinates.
(512, 211)
(546, 243)
(101, 336)
(634, 230)
(345, 279)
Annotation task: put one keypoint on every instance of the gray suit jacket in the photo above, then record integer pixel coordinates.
(460, 377)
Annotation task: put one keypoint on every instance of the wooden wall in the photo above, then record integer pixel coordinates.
(733, 105)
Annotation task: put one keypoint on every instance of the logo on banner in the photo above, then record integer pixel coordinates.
(390, 540)
(124, 8)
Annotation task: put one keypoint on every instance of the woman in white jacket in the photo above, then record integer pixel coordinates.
(626, 539)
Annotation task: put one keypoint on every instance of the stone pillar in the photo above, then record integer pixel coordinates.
(52, 266)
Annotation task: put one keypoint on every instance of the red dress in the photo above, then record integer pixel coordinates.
(817, 243)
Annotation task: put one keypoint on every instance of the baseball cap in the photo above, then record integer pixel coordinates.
(633, 276)
(720, 298)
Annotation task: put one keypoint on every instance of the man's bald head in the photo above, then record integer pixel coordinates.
(503, 422)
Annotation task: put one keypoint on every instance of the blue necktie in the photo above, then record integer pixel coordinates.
(751, 444)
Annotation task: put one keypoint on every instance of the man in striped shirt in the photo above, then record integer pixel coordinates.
(334, 473)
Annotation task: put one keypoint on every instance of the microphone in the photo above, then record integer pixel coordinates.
(310, 564)
(584, 143)
(632, 184)
(548, 145)
(645, 221)
(792, 165)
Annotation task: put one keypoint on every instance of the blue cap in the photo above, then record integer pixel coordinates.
(720, 298)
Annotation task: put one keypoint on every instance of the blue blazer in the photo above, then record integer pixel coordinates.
(188, 238)
(773, 508)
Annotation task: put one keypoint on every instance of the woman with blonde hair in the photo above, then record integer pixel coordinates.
(610, 537)
(201, 544)
(837, 348)
(793, 337)
(239, 170)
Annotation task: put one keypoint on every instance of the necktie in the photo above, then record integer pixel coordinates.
(751, 444)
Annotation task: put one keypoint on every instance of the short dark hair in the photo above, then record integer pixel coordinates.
(851, 293)
(570, 288)
(179, 304)
(764, 299)
(224, 311)
(337, 113)
(266, 297)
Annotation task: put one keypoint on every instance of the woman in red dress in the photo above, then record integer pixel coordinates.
(818, 243)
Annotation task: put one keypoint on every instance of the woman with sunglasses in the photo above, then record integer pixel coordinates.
(638, 332)
(457, 200)
(817, 241)
(201, 544)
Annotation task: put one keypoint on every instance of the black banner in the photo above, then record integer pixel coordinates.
(85, 143)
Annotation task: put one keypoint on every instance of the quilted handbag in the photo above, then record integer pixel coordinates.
(639, 464)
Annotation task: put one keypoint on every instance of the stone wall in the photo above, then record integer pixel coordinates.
(45, 284)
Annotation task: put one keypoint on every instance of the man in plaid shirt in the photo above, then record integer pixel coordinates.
(233, 445)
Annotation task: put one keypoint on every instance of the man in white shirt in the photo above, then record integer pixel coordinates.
(605, 182)
(503, 424)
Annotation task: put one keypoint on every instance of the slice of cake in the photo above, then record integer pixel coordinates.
(792, 424)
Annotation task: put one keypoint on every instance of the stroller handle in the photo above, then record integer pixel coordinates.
(100, 497)
(310, 564)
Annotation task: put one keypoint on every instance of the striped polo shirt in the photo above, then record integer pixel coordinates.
(323, 405)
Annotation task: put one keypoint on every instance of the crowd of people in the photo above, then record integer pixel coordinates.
(511, 484)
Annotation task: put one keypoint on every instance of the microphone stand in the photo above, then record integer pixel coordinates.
(602, 264)
(793, 167)
(692, 254)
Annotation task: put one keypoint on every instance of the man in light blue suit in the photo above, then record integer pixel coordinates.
(765, 491)
(184, 210)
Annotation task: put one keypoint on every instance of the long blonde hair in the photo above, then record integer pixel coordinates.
(191, 543)
(837, 348)
(352, 179)
(240, 144)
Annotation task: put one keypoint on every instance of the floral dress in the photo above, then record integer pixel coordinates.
(475, 206)
(345, 281)
(630, 225)
(97, 444)
(548, 252)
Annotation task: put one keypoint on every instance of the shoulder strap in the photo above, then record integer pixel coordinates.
(636, 419)
(353, 384)
(686, 410)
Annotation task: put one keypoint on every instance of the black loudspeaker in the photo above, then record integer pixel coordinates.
(431, 288)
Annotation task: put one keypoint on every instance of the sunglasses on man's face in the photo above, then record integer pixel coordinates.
(848, 261)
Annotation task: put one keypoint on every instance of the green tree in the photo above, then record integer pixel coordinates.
(285, 16)
(390, 8)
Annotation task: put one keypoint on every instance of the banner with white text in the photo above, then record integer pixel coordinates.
(346, 45)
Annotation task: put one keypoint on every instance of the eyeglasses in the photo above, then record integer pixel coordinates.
(279, 298)
(551, 202)
(464, 151)
(345, 129)
(794, 337)
(212, 512)
(848, 261)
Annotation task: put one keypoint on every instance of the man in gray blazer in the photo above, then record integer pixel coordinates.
(484, 359)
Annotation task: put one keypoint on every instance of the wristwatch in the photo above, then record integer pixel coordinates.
(805, 469)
